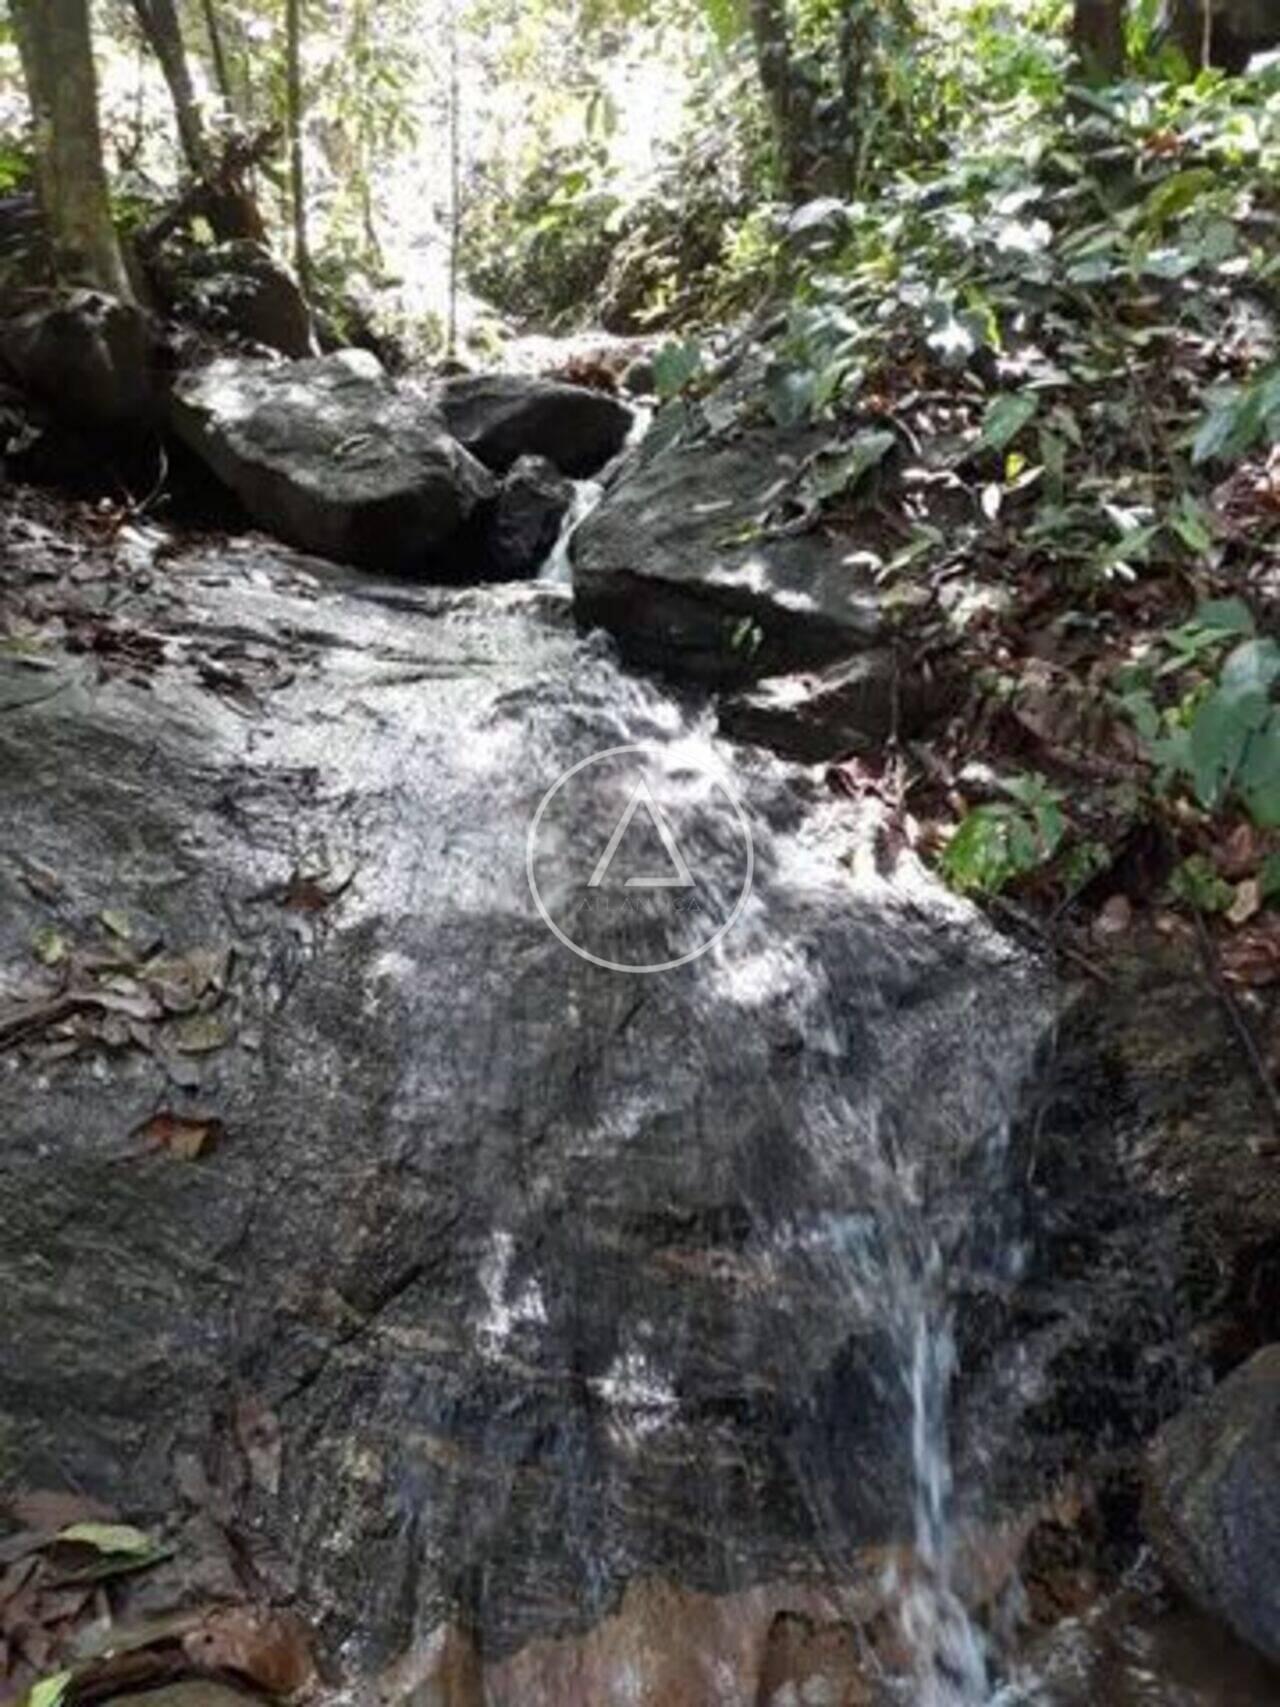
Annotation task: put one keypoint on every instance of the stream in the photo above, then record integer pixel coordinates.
(611, 1318)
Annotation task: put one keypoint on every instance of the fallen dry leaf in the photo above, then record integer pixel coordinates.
(303, 894)
(52, 1508)
(1252, 955)
(1248, 901)
(1114, 918)
(183, 1135)
(1241, 853)
(268, 1648)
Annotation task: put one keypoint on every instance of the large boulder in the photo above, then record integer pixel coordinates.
(92, 359)
(680, 561)
(500, 417)
(1212, 1506)
(240, 289)
(497, 1280)
(332, 456)
(532, 504)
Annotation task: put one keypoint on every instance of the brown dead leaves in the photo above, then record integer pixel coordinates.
(64, 1574)
(183, 1135)
(120, 992)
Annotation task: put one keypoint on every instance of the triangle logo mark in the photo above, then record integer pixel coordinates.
(679, 878)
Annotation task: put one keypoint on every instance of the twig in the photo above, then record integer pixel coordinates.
(1239, 1023)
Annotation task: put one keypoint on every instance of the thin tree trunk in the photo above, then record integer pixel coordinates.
(57, 62)
(159, 22)
(1097, 34)
(364, 144)
(772, 37)
(297, 171)
(455, 180)
(218, 53)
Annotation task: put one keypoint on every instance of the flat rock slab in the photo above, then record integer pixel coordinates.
(1212, 1506)
(678, 563)
(332, 456)
(501, 417)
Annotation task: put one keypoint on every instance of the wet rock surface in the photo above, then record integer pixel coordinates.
(526, 518)
(680, 563)
(858, 704)
(502, 417)
(1212, 1505)
(332, 456)
(504, 1242)
(347, 1214)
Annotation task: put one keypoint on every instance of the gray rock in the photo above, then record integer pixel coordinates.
(674, 562)
(500, 417)
(91, 359)
(331, 455)
(1212, 1507)
(241, 289)
(526, 520)
(1241, 28)
(856, 703)
(544, 1271)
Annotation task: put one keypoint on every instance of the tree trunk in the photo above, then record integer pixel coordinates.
(455, 181)
(218, 53)
(1097, 35)
(297, 172)
(159, 21)
(227, 204)
(772, 37)
(57, 63)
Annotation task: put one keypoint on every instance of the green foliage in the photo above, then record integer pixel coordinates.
(675, 367)
(15, 164)
(1241, 418)
(1196, 882)
(540, 250)
(1005, 418)
(1003, 840)
(49, 1691)
(1221, 735)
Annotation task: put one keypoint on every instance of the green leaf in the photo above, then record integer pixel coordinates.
(109, 1537)
(1005, 418)
(674, 367)
(1251, 670)
(1269, 877)
(49, 1691)
(1176, 194)
(49, 946)
(1223, 617)
(836, 471)
(1259, 777)
(1197, 883)
(1192, 523)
